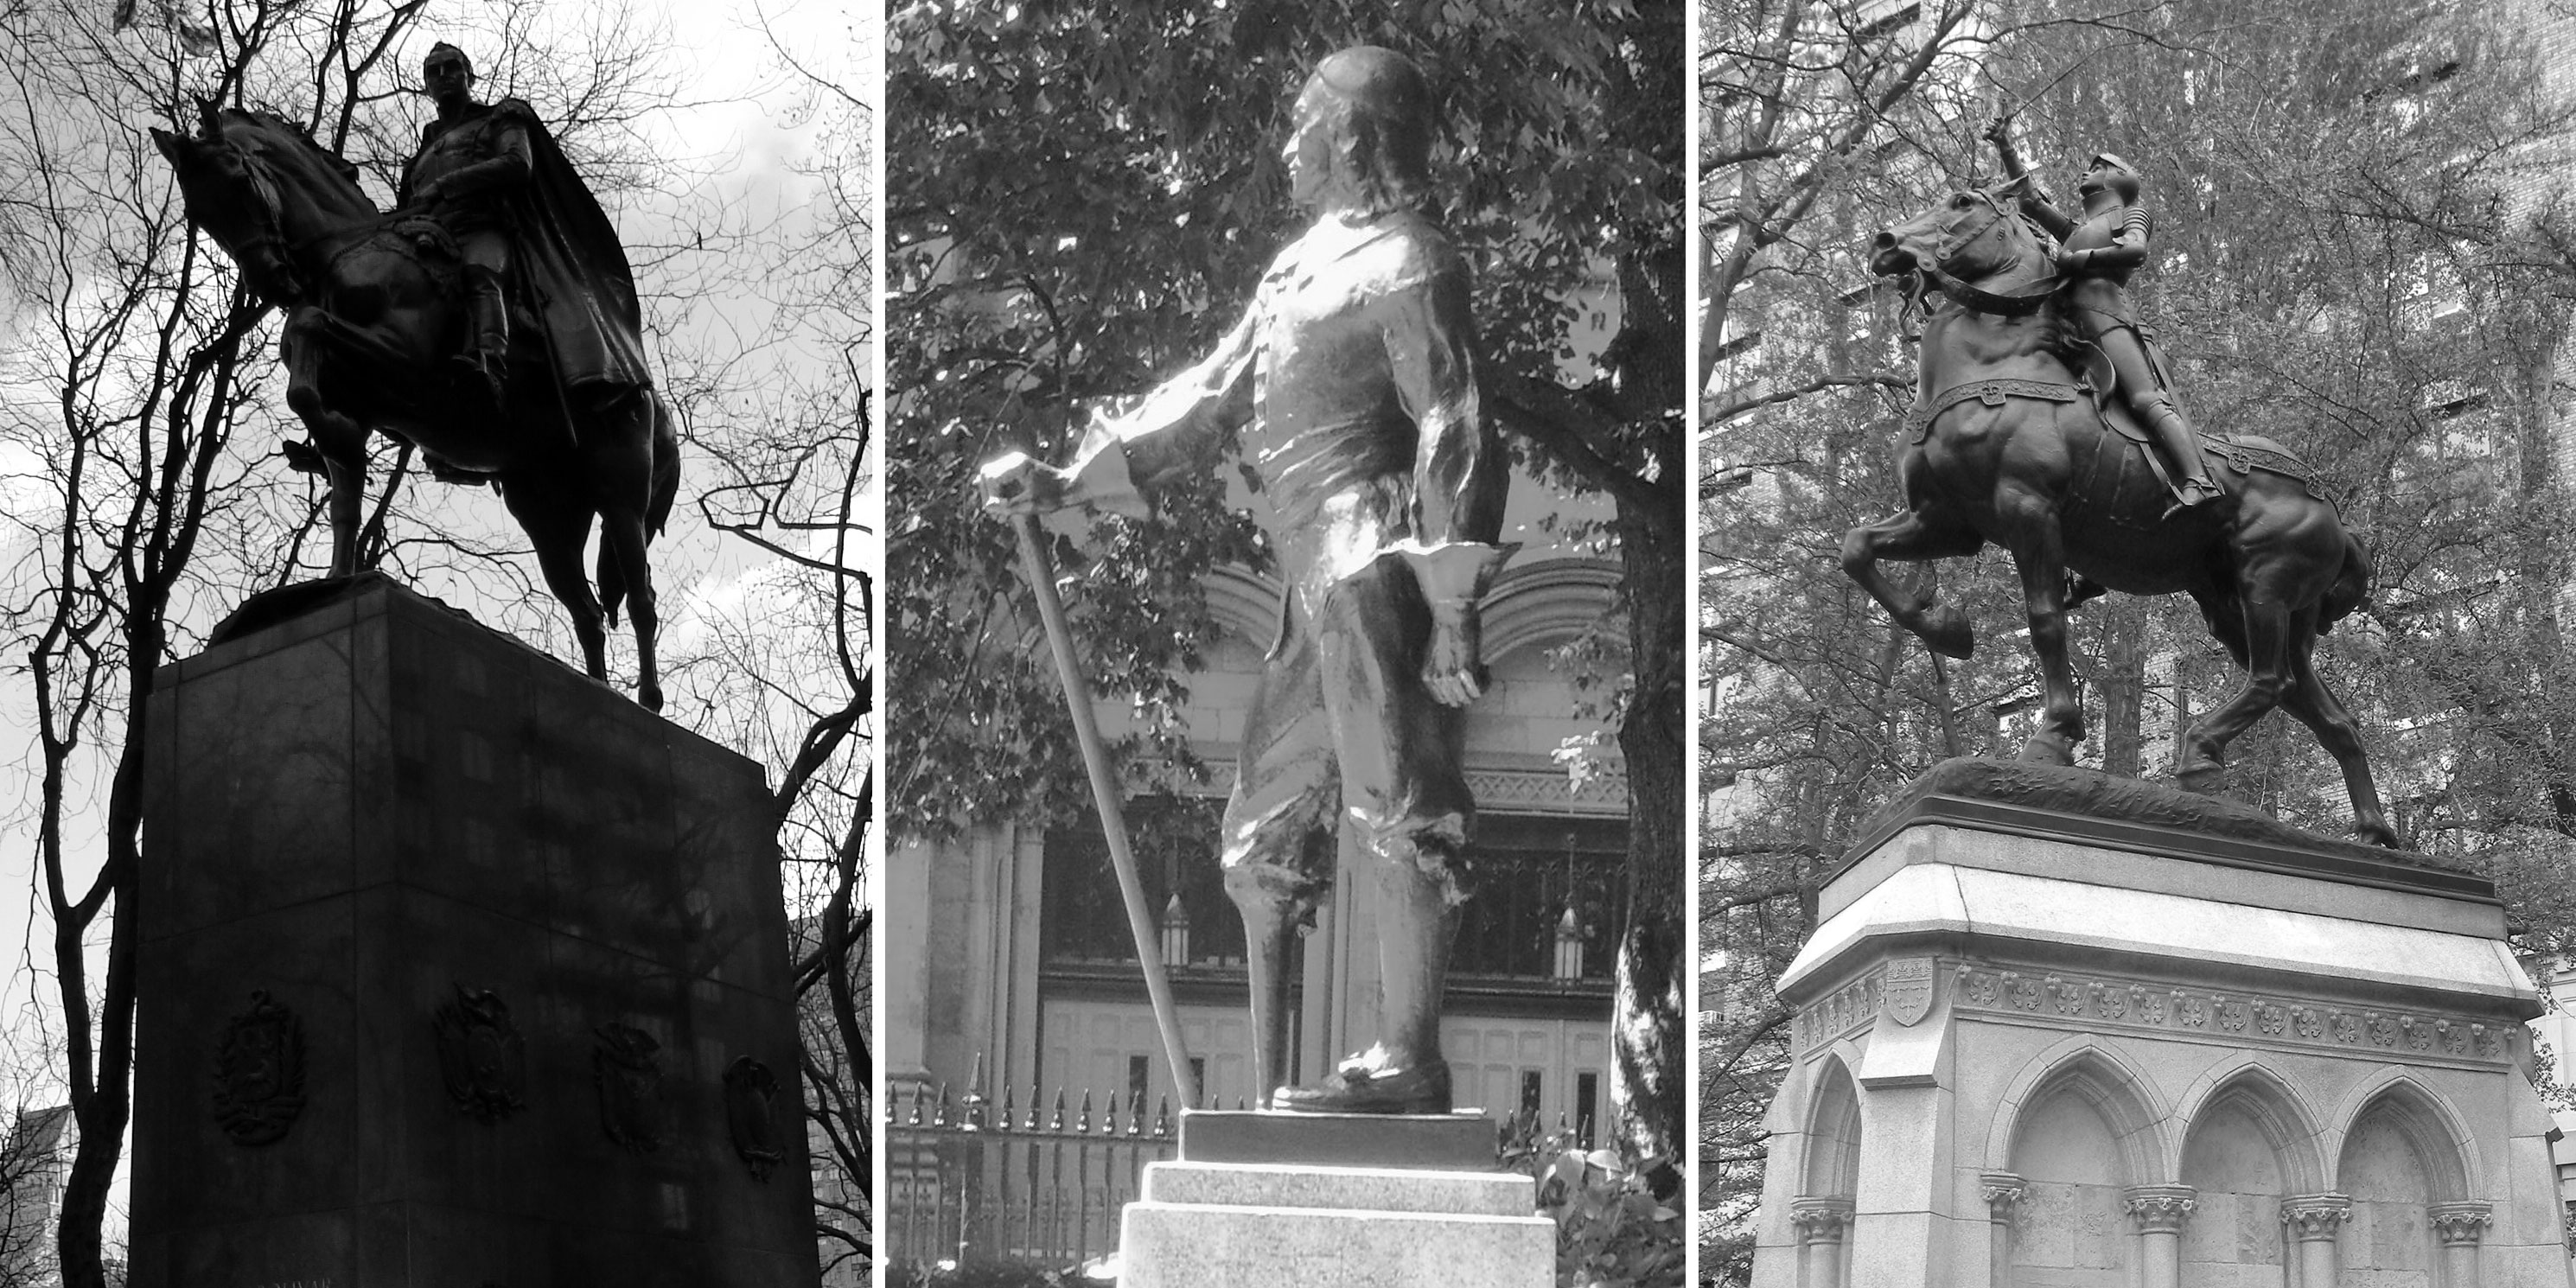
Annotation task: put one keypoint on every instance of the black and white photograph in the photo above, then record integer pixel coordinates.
(2134, 454)
(1286, 788)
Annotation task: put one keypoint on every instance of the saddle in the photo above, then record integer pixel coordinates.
(2237, 454)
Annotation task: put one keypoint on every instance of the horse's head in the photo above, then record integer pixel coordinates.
(263, 190)
(1972, 237)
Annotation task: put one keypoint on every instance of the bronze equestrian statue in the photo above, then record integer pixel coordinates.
(1350, 385)
(401, 323)
(2017, 438)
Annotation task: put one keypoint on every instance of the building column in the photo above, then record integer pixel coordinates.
(2004, 1193)
(1824, 1227)
(2160, 1211)
(2460, 1227)
(2314, 1220)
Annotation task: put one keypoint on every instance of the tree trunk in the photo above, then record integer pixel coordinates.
(2124, 684)
(1651, 1041)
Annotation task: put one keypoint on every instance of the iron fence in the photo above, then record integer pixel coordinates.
(968, 1180)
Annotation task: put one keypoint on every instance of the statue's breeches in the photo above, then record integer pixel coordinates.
(1341, 728)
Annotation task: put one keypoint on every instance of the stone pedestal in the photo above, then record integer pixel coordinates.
(2060, 1029)
(456, 969)
(1243, 1220)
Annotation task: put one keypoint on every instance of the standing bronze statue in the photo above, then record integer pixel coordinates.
(401, 324)
(2096, 255)
(2010, 441)
(1352, 385)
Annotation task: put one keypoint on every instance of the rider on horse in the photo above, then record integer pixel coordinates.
(2096, 256)
(491, 175)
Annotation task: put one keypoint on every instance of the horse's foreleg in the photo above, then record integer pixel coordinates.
(2265, 628)
(2039, 554)
(342, 442)
(1908, 537)
(2309, 700)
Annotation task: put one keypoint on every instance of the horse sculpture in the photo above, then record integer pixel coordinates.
(2011, 442)
(373, 310)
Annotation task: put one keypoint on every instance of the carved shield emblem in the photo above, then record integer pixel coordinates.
(259, 1073)
(629, 1076)
(751, 1109)
(1908, 989)
(481, 1055)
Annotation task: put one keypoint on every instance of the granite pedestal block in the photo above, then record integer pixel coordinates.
(2061, 1029)
(457, 969)
(1441, 1216)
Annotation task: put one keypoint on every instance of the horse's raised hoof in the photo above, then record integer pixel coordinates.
(1947, 631)
(2377, 833)
(2048, 749)
(2201, 779)
(650, 698)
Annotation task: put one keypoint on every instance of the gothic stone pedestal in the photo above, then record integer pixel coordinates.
(2052, 1032)
(447, 955)
(1246, 1209)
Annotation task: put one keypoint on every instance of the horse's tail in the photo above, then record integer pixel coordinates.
(2350, 592)
(657, 509)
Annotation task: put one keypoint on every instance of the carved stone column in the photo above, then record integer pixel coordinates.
(2004, 1193)
(2460, 1227)
(2314, 1219)
(1824, 1226)
(2160, 1211)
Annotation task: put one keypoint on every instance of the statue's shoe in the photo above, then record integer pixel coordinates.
(1357, 1090)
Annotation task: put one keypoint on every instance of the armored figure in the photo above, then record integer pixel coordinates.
(1351, 387)
(492, 176)
(2096, 255)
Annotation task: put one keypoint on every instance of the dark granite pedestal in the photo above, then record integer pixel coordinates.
(458, 970)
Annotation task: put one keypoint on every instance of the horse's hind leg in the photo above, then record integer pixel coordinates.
(559, 526)
(622, 471)
(2309, 700)
(2263, 630)
(1909, 537)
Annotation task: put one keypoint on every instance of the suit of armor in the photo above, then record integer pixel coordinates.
(2096, 256)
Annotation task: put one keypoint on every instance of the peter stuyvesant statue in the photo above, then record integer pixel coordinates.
(400, 323)
(1351, 382)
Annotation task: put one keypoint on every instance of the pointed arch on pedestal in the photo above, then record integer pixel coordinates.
(2428, 1121)
(2253, 1083)
(2141, 1124)
(1832, 1129)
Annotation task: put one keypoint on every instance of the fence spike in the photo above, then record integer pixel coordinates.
(1136, 1114)
(1032, 1124)
(1238, 1104)
(1057, 1123)
(1109, 1121)
(1082, 1125)
(1004, 1122)
(939, 1116)
(1163, 1116)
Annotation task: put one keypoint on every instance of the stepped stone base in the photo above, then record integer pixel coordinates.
(1252, 1225)
(1460, 1142)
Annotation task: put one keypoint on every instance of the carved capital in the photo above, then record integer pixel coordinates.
(2161, 1209)
(1820, 1220)
(2004, 1193)
(2459, 1223)
(2312, 1217)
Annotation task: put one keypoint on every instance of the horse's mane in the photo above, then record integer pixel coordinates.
(266, 124)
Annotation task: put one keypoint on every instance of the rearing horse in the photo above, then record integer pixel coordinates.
(2006, 443)
(373, 310)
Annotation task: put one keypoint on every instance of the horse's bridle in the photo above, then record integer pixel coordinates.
(1968, 296)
